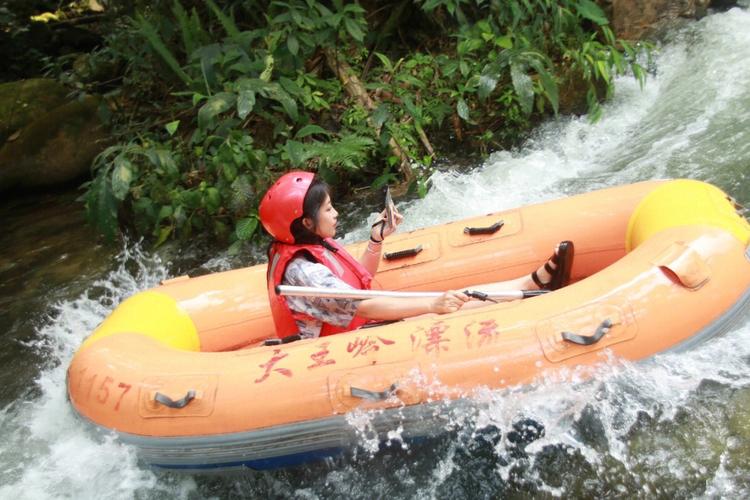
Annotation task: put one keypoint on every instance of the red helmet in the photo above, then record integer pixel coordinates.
(282, 204)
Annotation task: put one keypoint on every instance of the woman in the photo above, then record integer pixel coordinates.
(297, 212)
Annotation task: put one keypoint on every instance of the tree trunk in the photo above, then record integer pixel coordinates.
(355, 89)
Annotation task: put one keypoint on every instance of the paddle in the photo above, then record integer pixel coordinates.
(311, 291)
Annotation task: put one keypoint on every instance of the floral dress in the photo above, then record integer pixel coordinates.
(338, 312)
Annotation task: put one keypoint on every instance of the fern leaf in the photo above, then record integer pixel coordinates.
(227, 22)
(349, 152)
(101, 205)
(149, 32)
(191, 31)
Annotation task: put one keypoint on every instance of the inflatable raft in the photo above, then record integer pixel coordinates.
(182, 371)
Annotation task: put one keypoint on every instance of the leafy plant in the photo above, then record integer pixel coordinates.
(220, 98)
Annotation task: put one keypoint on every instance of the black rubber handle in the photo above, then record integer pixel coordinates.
(484, 230)
(476, 294)
(171, 403)
(402, 254)
(589, 340)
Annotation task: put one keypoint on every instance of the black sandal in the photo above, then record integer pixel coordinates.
(560, 274)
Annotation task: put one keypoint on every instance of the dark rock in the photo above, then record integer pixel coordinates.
(722, 5)
(573, 92)
(25, 100)
(92, 68)
(739, 417)
(525, 432)
(638, 19)
(56, 148)
(590, 430)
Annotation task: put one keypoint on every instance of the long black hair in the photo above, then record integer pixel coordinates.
(314, 198)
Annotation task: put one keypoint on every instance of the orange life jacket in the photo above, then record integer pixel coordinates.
(341, 264)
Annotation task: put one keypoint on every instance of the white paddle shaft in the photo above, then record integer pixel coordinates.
(335, 293)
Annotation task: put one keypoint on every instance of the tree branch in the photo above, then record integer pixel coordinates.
(355, 89)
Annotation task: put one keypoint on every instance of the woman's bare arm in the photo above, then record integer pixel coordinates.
(390, 308)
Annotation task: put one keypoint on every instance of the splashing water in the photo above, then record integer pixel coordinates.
(49, 453)
(674, 425)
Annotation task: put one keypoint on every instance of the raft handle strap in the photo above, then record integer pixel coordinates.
(589, 340)
(411, 252)
(484, 230)
(180, 403)
(374, 395)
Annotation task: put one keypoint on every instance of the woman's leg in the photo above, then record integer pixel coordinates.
(526, 282)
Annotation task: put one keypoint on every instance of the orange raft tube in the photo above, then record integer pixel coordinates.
(181, 372)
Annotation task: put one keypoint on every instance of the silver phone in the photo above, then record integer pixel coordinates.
(390, 208)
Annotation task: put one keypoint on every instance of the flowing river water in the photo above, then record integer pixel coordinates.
(676, 425)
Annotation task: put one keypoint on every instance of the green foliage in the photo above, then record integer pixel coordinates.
(231, 94)
(150, 33)
(349, 152)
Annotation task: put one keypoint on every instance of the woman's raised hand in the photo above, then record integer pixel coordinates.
(450, 301)
(381, 230)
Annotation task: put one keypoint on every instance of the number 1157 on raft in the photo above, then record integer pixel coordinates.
(103, 389)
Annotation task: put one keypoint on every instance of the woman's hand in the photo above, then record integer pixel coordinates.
(450, 301)
(392, 308)
(381, 230)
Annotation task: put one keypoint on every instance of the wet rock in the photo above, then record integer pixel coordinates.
(638, 19)
(722, 5)
(562, 457)
(525, 432)
(684, 447)
(738, 443)
(574, 90)
(488, 437)
(56, 148)
(590, 430)
(22, 101)
(95, 68)
(739, 420)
